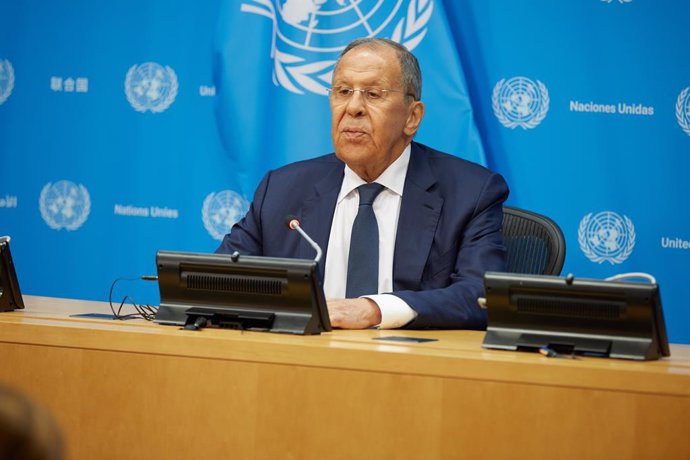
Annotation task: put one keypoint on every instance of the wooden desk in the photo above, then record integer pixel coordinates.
(135, 390)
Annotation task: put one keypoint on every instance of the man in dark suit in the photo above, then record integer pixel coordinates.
(438, 217)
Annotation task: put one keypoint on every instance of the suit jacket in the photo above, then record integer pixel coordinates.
(449, 229)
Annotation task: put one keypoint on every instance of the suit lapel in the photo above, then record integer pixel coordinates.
(317, 214)
(419, 214)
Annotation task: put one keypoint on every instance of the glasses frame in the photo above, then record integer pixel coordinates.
(334, 95)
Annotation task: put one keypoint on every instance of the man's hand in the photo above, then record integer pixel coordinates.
(353, 313)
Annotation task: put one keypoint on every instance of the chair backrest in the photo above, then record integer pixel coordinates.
(534, 242)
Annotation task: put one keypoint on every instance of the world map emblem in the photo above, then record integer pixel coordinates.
(64, 205)
(221, 211)
(606, 237)
(151, 87)
(683, 110)
(6, 79)
(308, 35)
(520, 101)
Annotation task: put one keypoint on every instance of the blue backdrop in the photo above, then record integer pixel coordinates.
(128, 127)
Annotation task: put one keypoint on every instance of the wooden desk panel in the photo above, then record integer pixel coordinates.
(139, 390)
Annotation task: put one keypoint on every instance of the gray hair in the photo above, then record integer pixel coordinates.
(409, 66)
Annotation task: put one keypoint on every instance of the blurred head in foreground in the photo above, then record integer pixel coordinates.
(27, 430)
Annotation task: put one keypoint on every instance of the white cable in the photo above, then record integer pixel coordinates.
(632, 275)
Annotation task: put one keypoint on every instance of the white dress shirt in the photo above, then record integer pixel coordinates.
(394, 311)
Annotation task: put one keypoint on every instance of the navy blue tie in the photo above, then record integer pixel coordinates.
(363, 261)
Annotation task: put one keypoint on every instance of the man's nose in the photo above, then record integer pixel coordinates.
(356, 105)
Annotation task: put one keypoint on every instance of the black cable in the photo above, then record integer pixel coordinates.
(145, 311)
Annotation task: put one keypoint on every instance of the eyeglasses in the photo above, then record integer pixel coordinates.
(372, 94)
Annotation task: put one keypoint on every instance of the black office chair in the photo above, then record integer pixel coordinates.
(534, 242)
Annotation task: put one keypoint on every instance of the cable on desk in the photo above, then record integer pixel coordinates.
(551, 353)
(147, 312)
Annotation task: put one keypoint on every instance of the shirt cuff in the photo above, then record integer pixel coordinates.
(395, 312)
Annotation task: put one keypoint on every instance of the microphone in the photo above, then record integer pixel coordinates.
(293, 224)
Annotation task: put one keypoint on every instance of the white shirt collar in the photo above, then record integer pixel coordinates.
(393, 178)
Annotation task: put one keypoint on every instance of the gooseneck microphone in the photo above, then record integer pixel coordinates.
(293, 224)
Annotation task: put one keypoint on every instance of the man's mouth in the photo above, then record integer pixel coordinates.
(353, 133)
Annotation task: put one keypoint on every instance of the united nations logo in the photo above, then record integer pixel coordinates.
(221, 211)
(683, 110)
(606, 236)
(308, 35)
(520, 102)
(6, 80)
(150, 86)
(64, 204)
(619, 1)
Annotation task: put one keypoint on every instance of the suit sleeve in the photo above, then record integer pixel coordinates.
(480, 249)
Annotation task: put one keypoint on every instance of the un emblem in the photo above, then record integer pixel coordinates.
(520, 102)
(683, 110)
(6, 80)
(606, 236)
(221, 211)
(308, 35)
(64, 204)
(150, 86)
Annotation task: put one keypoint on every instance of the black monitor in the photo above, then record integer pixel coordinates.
(241, 292)
(617, 319)
(10, 295)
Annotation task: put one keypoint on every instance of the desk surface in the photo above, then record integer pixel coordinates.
(454, 364)
(50, 318)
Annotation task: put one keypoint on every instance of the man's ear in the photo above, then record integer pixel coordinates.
(414, 119)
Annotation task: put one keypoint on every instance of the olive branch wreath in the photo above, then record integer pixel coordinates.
(512, 124)
(48, 218)
(10, 81)
(162, 105)
(594, 257)
(683, 118)
(290, 72)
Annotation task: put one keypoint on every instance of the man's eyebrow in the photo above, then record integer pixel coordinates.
(366, 84)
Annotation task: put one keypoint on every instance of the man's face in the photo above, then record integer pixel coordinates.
(369, 135)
